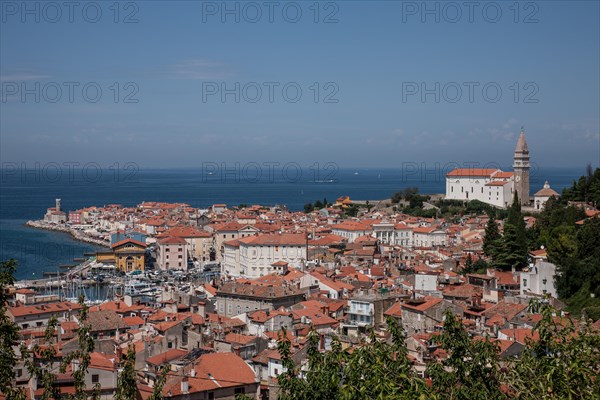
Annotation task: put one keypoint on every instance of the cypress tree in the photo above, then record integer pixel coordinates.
(512, 252)
(491, 241)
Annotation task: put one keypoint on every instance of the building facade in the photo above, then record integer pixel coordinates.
(491, 185)
(521, 169)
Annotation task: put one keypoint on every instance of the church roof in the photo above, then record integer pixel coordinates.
(471, 172)
(546, 191)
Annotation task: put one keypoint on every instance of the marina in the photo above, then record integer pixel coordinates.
(99, 283)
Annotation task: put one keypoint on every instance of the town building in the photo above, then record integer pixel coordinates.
(542, 196)
(38, 315)
(236, 298)
(259, 254)
(172, 253)
(127, 252)
(492, 185)
(538, 277)
(55, 215)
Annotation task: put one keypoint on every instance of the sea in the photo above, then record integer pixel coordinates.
(25, 195)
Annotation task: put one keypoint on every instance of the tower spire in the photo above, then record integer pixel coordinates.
(521, 167)
(521, 143)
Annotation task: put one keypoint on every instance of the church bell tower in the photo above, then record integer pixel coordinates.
(521, 169)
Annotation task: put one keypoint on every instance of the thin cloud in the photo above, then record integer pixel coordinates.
(199, 70)
(22, 75)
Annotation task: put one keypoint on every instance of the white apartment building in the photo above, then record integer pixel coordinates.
(351, 230)
(257, 254)
(393, 234)
(429, 237)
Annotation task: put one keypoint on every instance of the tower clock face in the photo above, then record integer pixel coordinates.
(518, 178)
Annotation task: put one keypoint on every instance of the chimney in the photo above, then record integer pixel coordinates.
(193, 373)
(185, 385)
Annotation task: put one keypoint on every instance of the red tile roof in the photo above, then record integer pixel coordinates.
(426, 305)
(127, 240)
(462, 172)
(276, 239)
(49, 308)
(166, 357)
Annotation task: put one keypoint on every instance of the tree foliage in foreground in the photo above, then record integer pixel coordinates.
(126, 384)
(563, 364)
(9, 334)
(374, 369)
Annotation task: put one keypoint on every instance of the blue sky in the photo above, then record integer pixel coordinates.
(545, 59)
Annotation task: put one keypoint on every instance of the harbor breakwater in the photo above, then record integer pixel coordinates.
(75, 233)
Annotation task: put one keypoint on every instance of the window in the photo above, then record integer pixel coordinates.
(95, 378)
(239, 391)
(524, 282)
(276, 371)
(211, 395)
(18, 373)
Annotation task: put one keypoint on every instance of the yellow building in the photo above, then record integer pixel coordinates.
(343, 202)
(129, 254)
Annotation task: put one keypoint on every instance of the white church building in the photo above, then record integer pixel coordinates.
(491, 185)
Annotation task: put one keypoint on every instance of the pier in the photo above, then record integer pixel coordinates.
(58, 279)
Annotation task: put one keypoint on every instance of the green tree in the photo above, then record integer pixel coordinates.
(127, 382)
(480, 266)
(396, 197)
(82, 356)
(160, 383)
(563, 251)
(374, 369)
(308, 208)
(512, 252)
(352, 210)
(563, 364)
(492, 239)
(9, 334)
(42, 362)
(468, 269)
(471, 369)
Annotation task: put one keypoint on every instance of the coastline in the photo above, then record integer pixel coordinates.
(76, 234)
